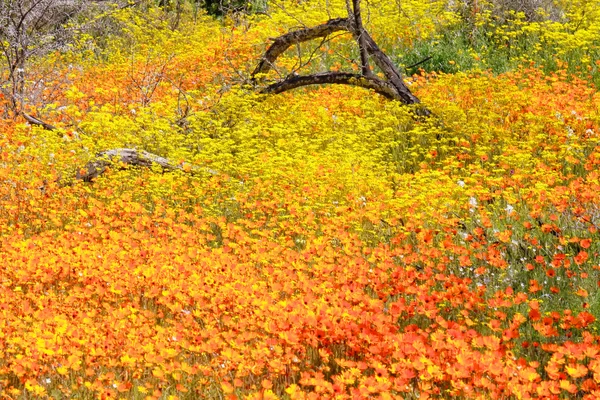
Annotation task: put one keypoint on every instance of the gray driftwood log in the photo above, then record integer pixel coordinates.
(133, 157)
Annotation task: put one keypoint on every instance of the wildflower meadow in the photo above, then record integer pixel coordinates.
(325, 242)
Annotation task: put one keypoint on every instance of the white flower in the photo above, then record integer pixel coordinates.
(473, 201)
(509, 209)
(461, 183)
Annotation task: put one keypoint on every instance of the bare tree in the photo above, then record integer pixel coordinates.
(29, 28)
(392, 87)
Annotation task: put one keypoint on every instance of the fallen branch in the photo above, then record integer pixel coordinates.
(133, 157)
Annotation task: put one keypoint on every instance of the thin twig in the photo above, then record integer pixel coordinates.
(34, 121)
(420, 62)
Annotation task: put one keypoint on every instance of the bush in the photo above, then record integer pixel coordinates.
(219, 7)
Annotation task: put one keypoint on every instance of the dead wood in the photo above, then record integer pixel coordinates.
(294, 81)
(136, 158)
(393, 87)
(34, 121)
(284, 42)
(123, 157)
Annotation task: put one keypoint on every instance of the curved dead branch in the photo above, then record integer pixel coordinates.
(284, 42)
(393, 87)
(335, 78)
(133, 157)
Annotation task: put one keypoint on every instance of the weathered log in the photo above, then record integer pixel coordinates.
(125, 157)
(133, 157)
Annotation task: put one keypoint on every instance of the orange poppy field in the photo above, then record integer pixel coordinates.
(325, 242)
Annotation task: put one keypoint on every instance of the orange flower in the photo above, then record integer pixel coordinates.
(576, 371)
(568, 386)
(581, 257)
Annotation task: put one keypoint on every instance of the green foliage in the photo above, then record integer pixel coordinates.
(217, 8)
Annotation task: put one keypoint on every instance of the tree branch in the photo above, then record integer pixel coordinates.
(335, 78)
(360, 39)
(282, 43)
(394, 88)
(35, 121)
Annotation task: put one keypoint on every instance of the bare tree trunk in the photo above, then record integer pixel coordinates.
(389, 70)
(359, 37)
